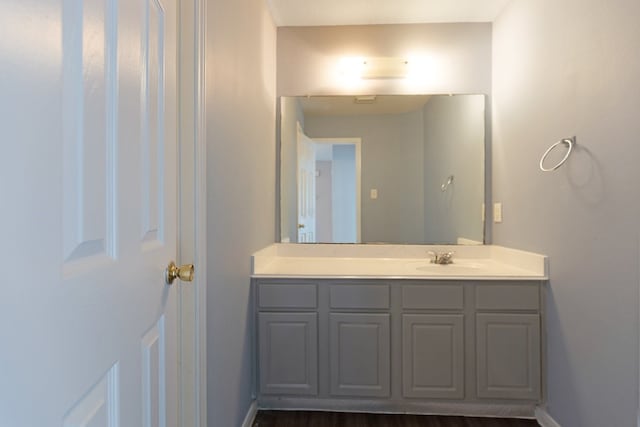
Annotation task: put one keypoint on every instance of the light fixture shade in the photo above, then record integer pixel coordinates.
(385, 68)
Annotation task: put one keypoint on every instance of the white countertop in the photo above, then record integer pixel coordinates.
(396, 262)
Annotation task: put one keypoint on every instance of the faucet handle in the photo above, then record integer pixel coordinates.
(447, 255)
(441, 257)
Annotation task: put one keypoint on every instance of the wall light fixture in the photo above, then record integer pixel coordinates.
(385, 68)
(375, 68)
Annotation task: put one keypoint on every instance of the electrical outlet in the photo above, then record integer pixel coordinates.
(497, 212)
(374, 193)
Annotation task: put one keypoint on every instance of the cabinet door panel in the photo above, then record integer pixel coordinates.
(360, 354)
(433, 356)
(288, 353)
(508, 347)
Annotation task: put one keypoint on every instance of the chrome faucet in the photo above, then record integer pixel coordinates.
(441, 257)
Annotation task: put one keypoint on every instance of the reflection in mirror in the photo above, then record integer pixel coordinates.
(382, 169)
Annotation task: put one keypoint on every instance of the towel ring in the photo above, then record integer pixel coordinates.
(570, 142)
(446, 185)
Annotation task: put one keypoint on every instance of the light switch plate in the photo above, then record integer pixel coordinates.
(374, 193)
(497, 212)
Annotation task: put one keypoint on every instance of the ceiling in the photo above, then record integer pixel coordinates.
(364, 12)
(346, 105)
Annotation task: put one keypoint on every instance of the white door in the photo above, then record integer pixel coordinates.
(88, 224)
(306, 188)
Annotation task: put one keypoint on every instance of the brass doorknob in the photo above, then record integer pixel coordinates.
(300, 225)
(173, 272)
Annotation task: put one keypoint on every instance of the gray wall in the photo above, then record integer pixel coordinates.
(290, 114)
(344, 194)
(454, 145)
(561, 69)
(459, 55)
(392, 156)
(241, 161)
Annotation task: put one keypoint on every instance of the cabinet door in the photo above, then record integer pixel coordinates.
(288, 358)
(508, 356)
(360, 354)
(433, 355)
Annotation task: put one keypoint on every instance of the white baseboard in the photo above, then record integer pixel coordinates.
(544, 419)
(251, 415)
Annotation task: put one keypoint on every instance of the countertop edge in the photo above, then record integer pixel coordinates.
(273, 262)
(391, 277)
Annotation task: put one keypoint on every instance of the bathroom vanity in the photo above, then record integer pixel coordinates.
(379, 328)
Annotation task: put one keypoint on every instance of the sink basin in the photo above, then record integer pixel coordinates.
(454, 268)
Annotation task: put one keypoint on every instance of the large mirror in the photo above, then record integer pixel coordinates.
(382, 169)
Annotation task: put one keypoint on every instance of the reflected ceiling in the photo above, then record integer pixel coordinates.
(361, 105)
(363, 12)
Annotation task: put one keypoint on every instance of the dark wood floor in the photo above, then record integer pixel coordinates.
(341, 419)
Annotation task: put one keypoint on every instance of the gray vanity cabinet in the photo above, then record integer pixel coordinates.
(359, 339)
(289, 353)
(508, 347)
(433, 349)
(508, 355)
(399, 345)
(288, 339)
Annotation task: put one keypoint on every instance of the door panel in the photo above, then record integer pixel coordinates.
(306, 188)
(87, 324)
(153, 111)
(508, 355)
(433, 355)
(153, 376)
(99, 407)
(360, 351)
(288, 353)
(89, 108)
